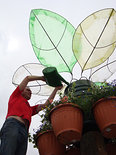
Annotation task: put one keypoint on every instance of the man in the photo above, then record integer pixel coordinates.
(14, 133)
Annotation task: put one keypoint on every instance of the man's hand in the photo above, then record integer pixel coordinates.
(59, 87)
(50, 99)
(43, 78)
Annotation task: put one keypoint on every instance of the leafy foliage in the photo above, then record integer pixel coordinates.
(95, 92)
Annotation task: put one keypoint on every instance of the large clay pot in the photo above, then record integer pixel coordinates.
(47, 144)
(67, 122)
(105, 115)
(111, 149)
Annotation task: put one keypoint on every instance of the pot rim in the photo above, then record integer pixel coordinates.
(65, 104)
(41, 133)
(102, 99)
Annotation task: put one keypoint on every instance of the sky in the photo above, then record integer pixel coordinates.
(15, 45)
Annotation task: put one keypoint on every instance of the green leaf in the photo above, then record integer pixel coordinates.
(51, 37)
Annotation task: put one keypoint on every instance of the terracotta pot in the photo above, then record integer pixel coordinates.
(47, 144)
(73, 151)
(67, 122)
(111, 149)
(105, 116)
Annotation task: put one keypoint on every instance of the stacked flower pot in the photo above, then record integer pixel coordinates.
(48, 144)
(67, 122)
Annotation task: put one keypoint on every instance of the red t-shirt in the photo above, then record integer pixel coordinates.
(19, 106)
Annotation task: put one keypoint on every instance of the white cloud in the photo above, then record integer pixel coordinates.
(3, 42)
(13, 44)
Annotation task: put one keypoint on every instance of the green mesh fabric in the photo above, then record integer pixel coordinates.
(51, 37)
(95, 38)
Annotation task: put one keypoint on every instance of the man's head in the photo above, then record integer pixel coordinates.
(27, 93)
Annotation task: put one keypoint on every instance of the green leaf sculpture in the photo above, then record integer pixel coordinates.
(51, 37)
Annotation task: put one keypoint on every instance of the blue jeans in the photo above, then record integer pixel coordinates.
(14, 138)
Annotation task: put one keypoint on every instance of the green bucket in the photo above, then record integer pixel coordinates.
(52, 77)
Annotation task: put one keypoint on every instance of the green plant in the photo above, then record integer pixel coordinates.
(45, 125)
(42, 128)
(86, 99)
(45, 122)
(32, 140)
(103, 91)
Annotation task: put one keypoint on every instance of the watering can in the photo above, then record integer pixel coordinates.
(52, 77)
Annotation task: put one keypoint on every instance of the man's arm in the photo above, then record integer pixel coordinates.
(27, 79)
(49, 100)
